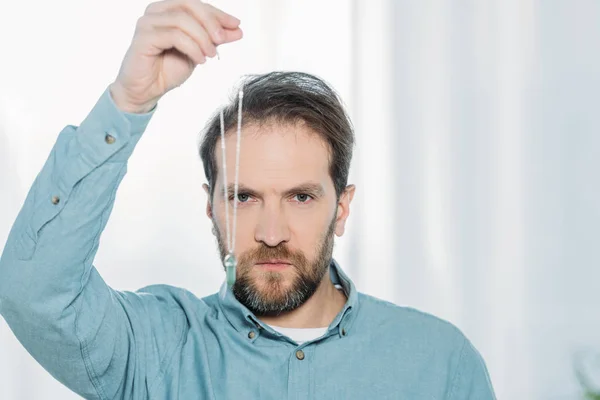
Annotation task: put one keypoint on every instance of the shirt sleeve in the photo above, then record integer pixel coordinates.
(99, 342)
(471, 379)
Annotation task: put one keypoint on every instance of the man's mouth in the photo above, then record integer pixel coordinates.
(274, 264)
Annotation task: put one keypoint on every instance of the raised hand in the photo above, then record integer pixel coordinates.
(171, 38)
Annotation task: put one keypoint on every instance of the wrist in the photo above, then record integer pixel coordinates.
(124, 104)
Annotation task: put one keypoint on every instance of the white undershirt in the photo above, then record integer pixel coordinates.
(301, 335)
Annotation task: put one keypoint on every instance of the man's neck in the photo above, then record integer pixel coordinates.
(317, 312)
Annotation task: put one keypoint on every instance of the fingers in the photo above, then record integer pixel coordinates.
(177, 19)
(219, 26)
(167, 38)
(231, 35)
(227, 21)
(210, 23)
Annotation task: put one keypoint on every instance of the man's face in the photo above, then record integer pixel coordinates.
(287, 214)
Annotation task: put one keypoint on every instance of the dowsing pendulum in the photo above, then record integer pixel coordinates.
(230, 262)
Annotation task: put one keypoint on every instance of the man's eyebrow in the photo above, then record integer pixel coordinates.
(310, 188)
(241, 189)
(315, 189)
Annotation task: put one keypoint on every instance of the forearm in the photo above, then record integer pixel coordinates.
(50, 294)
(55, 236)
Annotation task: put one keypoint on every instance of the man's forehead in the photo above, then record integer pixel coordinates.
(291, 136)
(276, 159)
(273, 151)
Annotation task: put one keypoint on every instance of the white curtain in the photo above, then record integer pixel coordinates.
(476, 159)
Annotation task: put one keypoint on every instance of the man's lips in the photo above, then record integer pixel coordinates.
(273, 264)
(273, 261)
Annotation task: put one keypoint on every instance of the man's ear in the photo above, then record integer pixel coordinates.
(208, 205)
(343, 209)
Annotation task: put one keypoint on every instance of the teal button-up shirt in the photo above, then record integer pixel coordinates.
(162, 342)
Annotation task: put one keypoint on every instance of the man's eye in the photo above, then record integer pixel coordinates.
(303, 197)
(243, 197)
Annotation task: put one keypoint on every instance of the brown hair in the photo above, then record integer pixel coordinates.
(287, 97)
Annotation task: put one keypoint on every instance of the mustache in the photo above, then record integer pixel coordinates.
(279, 252)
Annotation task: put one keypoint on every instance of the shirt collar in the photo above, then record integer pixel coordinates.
(244, 320)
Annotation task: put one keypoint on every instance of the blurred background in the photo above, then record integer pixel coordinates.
(476, 162)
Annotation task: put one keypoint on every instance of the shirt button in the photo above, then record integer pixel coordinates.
(55, 200)
(300, 355)
(109, 139)
(251, 335)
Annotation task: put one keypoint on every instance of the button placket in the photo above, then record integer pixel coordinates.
(301, 373)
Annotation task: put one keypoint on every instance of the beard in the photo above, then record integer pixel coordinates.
(270, 293)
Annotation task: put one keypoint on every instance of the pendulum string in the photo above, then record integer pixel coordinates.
(230, 261)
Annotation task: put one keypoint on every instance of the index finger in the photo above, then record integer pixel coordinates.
(227, 20)
(231, 35)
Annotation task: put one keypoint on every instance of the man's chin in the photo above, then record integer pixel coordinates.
(272, 281)
(271, 295)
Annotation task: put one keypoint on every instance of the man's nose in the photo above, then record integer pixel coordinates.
(272, 228)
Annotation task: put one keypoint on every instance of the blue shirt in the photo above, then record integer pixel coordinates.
(162, 342)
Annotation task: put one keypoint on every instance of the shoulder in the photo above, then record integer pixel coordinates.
(409, 323)
(431, 343)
